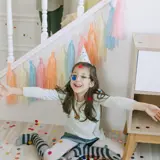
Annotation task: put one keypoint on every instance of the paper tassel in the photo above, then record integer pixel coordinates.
(23, 82)
(51, 73)
(92, 49)
(60, 58)
(70, 59)
(11, 81)
(110, 41)
(32, 77)
(63, 75)
(40, 74)
(102, 51)
(118, 20)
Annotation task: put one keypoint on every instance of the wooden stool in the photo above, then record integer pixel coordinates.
(144, 87)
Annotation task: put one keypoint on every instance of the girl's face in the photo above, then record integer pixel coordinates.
(80, 80)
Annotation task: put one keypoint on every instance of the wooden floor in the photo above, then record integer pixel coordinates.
(9, 131)
(147, 152)
(143, 151)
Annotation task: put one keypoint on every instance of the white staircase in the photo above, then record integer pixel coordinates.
(56, 44)
(51, 112)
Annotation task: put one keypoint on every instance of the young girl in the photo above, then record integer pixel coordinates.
(81, 100)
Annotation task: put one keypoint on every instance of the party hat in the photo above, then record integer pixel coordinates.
(83, 56)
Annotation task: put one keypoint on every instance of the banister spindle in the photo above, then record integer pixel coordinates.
(10, 58)
(80, 8)
(44, 34)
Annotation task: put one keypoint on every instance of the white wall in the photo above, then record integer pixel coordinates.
(140, 16)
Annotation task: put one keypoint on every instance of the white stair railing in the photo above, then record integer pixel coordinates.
(10, 58)
(44, 33)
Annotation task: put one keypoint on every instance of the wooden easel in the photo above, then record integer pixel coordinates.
(140, 127)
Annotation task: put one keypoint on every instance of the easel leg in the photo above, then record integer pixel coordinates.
(125, 129)
(130, 147)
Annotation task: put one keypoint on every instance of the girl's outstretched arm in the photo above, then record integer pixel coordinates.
(129, 104)
(34, 92)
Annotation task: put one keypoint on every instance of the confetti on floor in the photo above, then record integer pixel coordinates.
(9, 131)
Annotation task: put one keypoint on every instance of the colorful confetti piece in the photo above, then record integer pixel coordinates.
(89, 98)
(31, 129)
(49, 152)
(7, 153)
(54, 140)
(29, 142)
(80, 66)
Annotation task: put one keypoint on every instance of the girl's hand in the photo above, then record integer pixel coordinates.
(4, 91)
(153, 111)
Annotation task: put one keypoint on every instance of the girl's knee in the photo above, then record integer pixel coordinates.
(48, 155)
(115, 147)
(59, 149)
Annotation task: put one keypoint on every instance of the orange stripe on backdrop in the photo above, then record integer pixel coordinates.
(92, 48)
(51, 73)
(11, 81)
